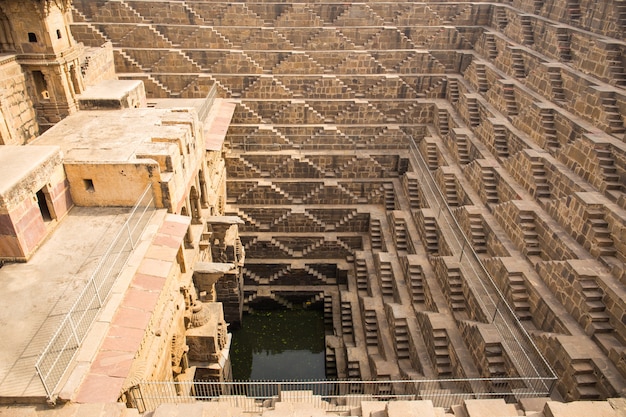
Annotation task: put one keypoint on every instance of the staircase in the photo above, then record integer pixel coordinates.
(542, 187)
(490, 46)
(376, 237)
(442, 354)
(453, 90)
(452, 198)
(362, 276)
(495, 360)
(528, 38)
(531, 247)
(386, 279)
(399, 233)
(481, 78)
(613, 115)
(330, 363)
(328, 313)
(442, 118)
(551, 141)
(599, 321)
(602, 243)
(431, 237)
(564, 44)
(473, 112)
(371, 328)
(517, 63)
(609, 170)
(490, 186)
(432, 158)
(462, 149)
(573, 10)
(556, 84)
(616, 65)
(354, 370)
(477, 233)
(346, 318)
(413, 192)
(508, 93)
(519, 295)
(455, 288)
(289, 252)
(501, 19)
(583, 374)
(416, 283)
(390, 196)
(401, 334)
(500, 141)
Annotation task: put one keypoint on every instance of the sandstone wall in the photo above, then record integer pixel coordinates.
(19, 123)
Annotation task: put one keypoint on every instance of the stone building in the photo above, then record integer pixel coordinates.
(446, 179)
(106, 207)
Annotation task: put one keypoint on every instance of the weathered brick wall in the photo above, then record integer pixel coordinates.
(98, 64)
(585, 156)
(16, 108)
(584, 216)
(24, 227)
(167, 321)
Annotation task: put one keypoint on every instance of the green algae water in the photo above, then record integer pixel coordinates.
(279, 345)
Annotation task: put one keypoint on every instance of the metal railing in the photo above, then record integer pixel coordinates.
(60, 350)
(332, 395)
(519, 346)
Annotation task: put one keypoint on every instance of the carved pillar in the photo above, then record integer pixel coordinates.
(194, 203)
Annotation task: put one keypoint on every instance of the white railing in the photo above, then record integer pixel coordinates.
(60, 350)
(333, 395)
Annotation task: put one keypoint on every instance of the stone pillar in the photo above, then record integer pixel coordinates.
(194, 204)
(206, 274)
(226, 247)
(204, 200)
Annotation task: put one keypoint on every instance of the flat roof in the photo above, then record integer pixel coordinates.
(110, 90)
(18, 162)
(111, 135)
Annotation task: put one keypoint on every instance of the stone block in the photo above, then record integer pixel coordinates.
(373, 409)
(533, 404)
(579, 409)
(410, 409)
(490, 408)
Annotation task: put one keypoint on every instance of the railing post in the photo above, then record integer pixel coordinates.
(57, 359)
(73, 327)
(43, 381)
(130, 236)
(462, 250)
(95, 288)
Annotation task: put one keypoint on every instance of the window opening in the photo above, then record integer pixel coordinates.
(58, 34)
(32, 37)
(89, 185)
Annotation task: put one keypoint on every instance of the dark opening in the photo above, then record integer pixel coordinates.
(40, 84)
(43, 206)
(281, 344)
(32, 37)
(89, 185)
(58, 34)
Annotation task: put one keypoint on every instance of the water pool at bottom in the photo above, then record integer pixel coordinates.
(279, 345)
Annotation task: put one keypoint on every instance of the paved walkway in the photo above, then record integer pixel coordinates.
(35, 295)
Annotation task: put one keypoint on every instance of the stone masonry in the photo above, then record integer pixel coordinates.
(412, 166)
